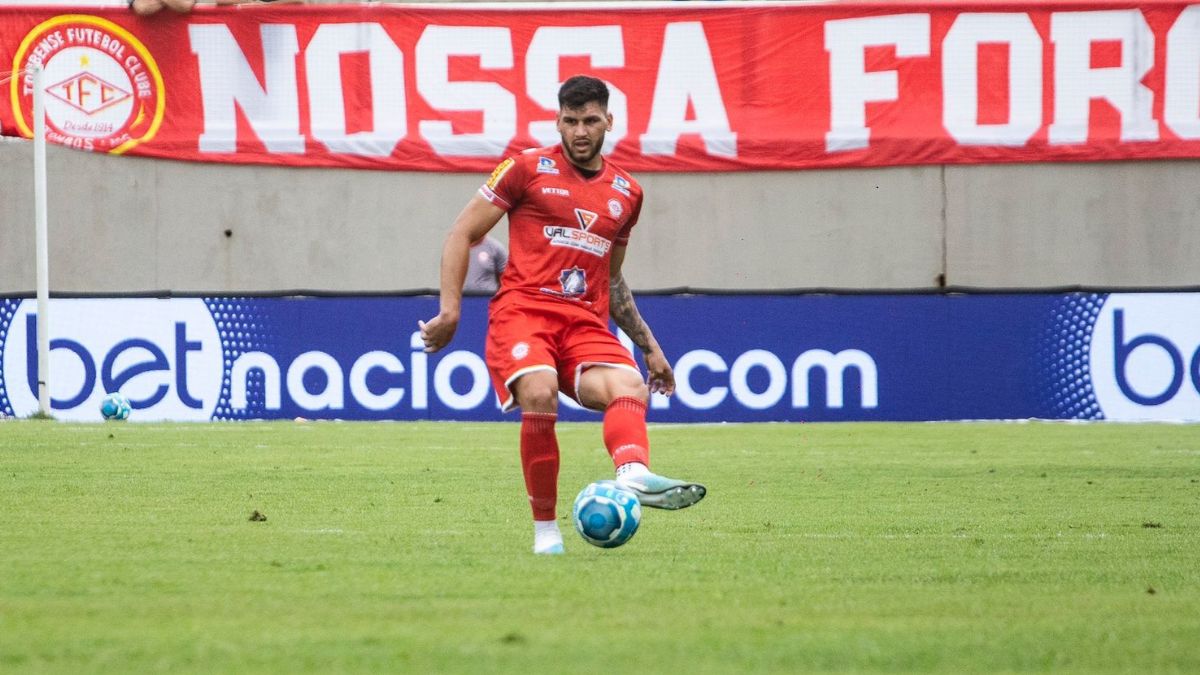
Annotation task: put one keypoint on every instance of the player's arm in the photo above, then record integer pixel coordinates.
(477, 218)
(625, 314)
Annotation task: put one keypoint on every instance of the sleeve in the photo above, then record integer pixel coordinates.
(623, 234)
(506, 185)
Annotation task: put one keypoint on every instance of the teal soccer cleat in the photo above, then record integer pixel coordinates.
(660, 492)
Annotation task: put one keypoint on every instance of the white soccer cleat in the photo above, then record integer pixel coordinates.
(547, 540)
(553, 549)
(660, 492)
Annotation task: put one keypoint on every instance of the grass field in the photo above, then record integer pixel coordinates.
(405, 548)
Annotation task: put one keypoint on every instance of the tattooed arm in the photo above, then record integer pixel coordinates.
(625, 314)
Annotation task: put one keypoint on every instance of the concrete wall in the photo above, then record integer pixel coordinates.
(122, 224)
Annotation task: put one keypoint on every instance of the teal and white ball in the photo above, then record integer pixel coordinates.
(115, 407)
(606, 514)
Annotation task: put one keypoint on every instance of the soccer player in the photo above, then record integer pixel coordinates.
(570, 212)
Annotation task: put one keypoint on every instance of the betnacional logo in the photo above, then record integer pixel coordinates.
(103, 90)
(1145, 357)
(165, 355)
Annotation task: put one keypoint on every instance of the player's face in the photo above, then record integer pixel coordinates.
(582, 130)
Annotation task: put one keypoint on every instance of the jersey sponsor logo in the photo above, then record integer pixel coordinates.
(562, 192)
(546, 165)
(498, 173)
(103, 90)
(621, 185)
(586, 218)
(615, 208)
(573, 282)
(570, 237)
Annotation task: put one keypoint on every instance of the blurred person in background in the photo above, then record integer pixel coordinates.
(151, 7)
(487, 263)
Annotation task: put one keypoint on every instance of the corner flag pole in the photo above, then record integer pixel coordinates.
(42, 236)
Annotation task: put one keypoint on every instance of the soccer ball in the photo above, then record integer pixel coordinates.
(606, 514)
(115, 407)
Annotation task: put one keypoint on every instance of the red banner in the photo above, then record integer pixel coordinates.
(694, 88)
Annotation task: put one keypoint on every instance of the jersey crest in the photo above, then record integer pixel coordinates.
(573, 282)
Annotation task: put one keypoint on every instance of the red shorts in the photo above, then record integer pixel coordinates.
(528, 335)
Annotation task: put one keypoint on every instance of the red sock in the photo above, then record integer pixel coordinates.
(625, 431)
(539, 461)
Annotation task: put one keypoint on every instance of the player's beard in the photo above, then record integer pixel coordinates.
(587, 156)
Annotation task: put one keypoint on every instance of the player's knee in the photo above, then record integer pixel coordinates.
(641, 392)
(538, 397)
(631, 388)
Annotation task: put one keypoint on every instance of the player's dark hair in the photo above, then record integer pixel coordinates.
(581, 90)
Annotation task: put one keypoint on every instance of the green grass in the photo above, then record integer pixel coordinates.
(406, 548)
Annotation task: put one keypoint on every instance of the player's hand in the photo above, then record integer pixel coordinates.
(438, 331)
(662, 378)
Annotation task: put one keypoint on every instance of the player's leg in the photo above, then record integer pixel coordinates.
(622, 395)
(520, 358)
(536, 393)
(606, 378)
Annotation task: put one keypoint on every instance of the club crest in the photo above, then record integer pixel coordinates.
(573, 282)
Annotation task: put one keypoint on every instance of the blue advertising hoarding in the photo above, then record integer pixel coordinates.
(736, 358)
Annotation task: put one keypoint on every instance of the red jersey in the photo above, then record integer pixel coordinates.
(561, 226)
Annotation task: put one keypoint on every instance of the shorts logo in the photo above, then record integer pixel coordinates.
(615, 208)
(621, 185)
(561, 192)
(498, 173)
(573, 282)
(103, 90)
(520, 350)
(546, 165)
(586, 218)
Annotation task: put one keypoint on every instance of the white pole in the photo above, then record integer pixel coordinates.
(43, 254)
